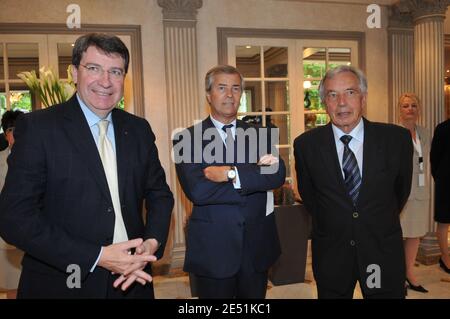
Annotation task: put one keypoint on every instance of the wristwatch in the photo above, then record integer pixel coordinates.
(231, 174)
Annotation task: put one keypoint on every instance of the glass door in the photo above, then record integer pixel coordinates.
(268, 97)
(19, 53)
(315, 57)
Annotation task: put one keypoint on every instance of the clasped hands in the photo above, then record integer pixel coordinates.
(218, 174)
(118, 259)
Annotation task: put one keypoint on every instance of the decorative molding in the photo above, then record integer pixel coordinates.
(400, 17)
(180, 9)
(422, 9)
(224, 33)
(133, 31)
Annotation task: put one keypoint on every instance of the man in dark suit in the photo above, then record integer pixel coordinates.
(354, 177)
(232, 238)
(78, 175)
(440, 170)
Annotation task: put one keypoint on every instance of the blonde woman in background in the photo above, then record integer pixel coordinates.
(415, 215)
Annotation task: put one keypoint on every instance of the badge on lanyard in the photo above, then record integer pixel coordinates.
(421, 174)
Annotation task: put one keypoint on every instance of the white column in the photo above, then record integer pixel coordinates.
(180, 49)
(401, 60)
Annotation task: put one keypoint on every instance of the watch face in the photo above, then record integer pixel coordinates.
(231, 174)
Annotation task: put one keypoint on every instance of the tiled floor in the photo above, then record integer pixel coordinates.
(177, 287)
(431, 277)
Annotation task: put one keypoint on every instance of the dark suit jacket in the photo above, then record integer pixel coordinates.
(440, 169)
(56, 205)
(386, 184)
(223, 216)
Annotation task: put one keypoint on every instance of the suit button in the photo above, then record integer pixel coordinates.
(123, 207)
(110, 210)
(355, 215)
(352, 243)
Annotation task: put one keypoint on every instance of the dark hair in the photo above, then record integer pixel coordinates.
(221, 69)
(9, 119)
(109, 44)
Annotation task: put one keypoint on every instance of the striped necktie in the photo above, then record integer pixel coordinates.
(351, 170)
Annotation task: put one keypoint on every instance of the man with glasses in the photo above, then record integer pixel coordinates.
(79, 175)
(354, 177)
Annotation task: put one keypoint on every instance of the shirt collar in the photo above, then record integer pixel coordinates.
(219, 124)
(357, 133)
(90, 116)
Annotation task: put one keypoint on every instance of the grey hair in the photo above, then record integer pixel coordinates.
(221, 69)
(340, 69)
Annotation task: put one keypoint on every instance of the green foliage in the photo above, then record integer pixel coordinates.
(314, 70)
(22, 102)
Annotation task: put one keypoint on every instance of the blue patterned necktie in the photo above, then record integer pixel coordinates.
(351, 170)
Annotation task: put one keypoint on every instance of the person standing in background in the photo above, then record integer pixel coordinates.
(440, 169)
(415, 214)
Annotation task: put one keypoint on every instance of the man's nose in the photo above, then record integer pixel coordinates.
(342, 100)
(105, 79)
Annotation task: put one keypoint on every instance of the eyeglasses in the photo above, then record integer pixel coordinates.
(97, 71)
(349, 94)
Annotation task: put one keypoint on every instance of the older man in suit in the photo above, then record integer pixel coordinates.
(232, 238)
(78, 175)
(354, 177)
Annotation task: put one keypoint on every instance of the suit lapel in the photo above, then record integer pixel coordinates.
(371, 153)
(330, 157)
(78, 131)
(123, 149)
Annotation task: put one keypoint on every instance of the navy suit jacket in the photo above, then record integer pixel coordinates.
(56, 205)
(222, 216)
(373, 226)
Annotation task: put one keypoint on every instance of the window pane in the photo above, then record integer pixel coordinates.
(314, 119)
(277, 96)
(251, 97)
(64, 58)
(248, 61)
(282, 123)
(313, 63)
(2, 70)
(2, 101)
(20, 100)
(338, 56)
(22, 57)
(311, 99)
(275, 62)
(285, 155)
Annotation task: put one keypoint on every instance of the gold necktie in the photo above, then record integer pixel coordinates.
(110, 166)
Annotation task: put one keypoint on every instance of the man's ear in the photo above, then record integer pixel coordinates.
(208, 98)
